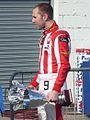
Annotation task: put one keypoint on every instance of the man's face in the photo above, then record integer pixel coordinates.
(38, 19)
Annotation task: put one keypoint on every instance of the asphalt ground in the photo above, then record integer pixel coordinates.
(33, 115)
(76, 117)
(66, 117)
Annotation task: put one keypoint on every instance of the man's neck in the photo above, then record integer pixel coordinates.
(48, 24)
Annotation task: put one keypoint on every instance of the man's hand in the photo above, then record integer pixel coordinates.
(52, 96)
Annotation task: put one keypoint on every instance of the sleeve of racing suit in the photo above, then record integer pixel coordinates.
(64, 62)
(34, 81)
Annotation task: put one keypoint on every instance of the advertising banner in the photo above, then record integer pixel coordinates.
(83, 56)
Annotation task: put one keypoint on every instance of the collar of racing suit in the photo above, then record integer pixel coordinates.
(52, 28)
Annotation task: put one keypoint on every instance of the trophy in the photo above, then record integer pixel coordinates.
(19, 95)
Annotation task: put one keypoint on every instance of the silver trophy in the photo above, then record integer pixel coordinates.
(19, 95)
(33, 98)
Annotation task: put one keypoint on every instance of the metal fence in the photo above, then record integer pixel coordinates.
(71, 112)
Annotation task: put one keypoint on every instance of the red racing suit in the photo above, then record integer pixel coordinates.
(54, 58)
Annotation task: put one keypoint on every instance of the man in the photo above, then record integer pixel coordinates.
(54, 61)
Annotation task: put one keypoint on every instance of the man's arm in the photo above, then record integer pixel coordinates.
(34, 83)
(63, 47)
(63, 50)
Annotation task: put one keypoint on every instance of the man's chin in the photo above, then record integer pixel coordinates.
(39, 28)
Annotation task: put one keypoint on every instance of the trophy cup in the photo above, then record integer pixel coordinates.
(19, 95)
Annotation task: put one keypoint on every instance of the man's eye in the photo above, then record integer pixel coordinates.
(34, 17)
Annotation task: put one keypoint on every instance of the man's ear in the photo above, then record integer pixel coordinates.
(45, 16)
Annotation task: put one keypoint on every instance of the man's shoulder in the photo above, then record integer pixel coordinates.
(60, 33)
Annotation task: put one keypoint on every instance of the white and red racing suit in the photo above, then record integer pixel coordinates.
(54, 58)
